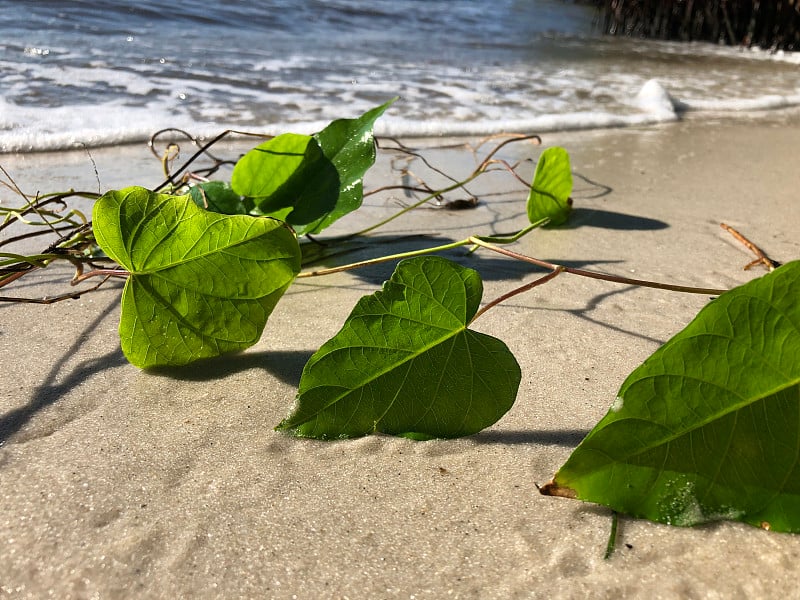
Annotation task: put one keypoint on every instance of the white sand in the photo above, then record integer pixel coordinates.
(118, 483)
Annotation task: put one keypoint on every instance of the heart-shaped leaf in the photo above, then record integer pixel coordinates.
(310, 181)
(551, 188)
(350, 146)
(288, 178)
(708, 427)
(201, 284)
(404, 362)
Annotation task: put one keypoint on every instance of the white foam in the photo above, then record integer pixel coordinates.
(759, 103)
(455, 103)
(56, 76)
(542, 123)
(58, 128)
(656, 101)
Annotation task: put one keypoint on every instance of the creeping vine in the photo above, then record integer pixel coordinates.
(170, 244)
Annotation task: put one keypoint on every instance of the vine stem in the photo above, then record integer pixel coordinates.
(22, 264)
(53, 299)
(481, 168)
(411, 207)
(612, 537)
(527, 287)
(383, 259)
(465, 242)
(595, 274)
(555, 269)
(107, 273)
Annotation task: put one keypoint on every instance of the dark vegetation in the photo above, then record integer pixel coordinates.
(774, 25)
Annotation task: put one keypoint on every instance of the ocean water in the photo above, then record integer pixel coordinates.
(97, 72)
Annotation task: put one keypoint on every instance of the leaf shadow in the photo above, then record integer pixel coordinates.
(583, 313)
(285, 365)
(490, 266)
(555, 437)
(605, 219)
(51, 390)
(595, 189)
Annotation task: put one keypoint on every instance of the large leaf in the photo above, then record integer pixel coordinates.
(551, 188)
(404, 362)
(200, 283)
(289, 178)
(708, 427)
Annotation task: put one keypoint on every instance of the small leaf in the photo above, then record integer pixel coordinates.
(310, 181)
(217, 196)
(350, 146)
(708, 427)
(551, 188)
(288, 178)
(201, 284)
(404, 362)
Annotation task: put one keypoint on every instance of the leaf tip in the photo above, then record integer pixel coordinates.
(551, 488)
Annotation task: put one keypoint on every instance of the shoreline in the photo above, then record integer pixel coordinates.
(123, 483)
(769, 108)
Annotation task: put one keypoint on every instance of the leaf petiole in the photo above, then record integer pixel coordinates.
(525, 288)
(612, 536)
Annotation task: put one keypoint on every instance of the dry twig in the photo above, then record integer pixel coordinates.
(761, 257)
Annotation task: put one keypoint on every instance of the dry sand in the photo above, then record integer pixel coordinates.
(117, 483)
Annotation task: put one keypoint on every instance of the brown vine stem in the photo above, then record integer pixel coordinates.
(170, 178)
(481, 168)
(107, 273)
(554, 269)
(527, 287)
(12, 277)
(761, 257)
(53, 299)
(79, 277)
(595, 274)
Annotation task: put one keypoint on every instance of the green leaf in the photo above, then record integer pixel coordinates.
(350, 146)
(404, 362)
(708, 427)
(201, 284)
(288, 178)
(219, 197)
(310, 181)
(551, 188)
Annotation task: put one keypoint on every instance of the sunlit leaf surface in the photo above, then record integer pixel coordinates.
(310, 181)
(405, 363)
(200, 283)
(708, 427)
(551, 188)
(289, 178)
(349, 145)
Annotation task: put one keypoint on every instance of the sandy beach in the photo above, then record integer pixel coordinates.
(120, 483)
